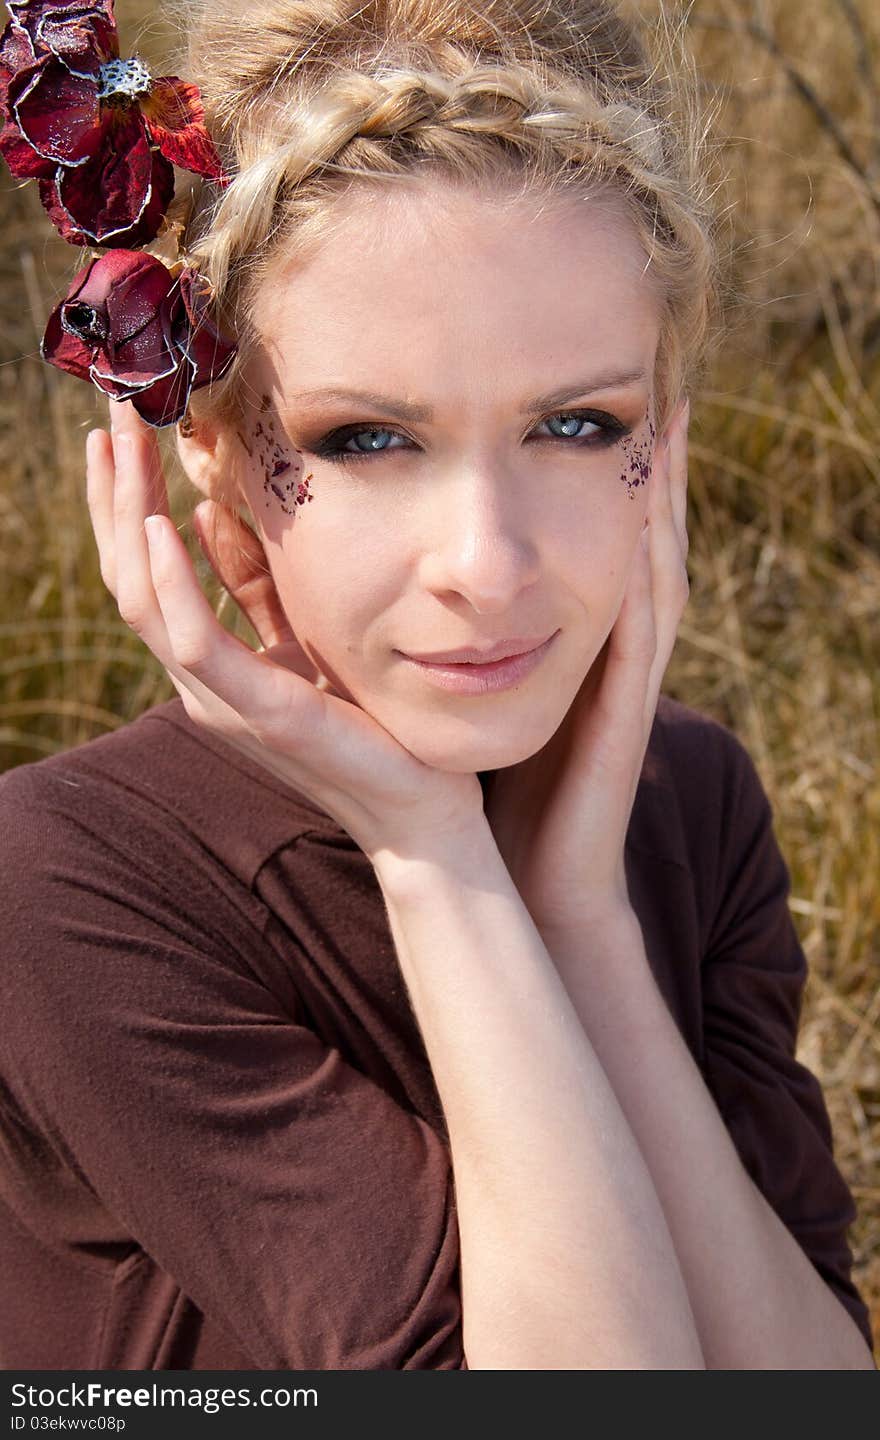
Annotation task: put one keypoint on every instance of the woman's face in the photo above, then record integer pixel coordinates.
(491, 482)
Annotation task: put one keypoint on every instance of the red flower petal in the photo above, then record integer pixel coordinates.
(110, 386)
(145, 359)
(175, 119)
(16, 53)
(165, 402)
(57, 214)
(120, 196)
(124, 294)
(84, 309)
(134, 381)
(162, 402)
(57, 113)
(211, 352)
(71, 29)
(67, 352)
(98, 281)
(28, 13)
(17, 59)
(141, 297)
(117, 326)
(24, 162)
(83, 36)
(132, 297)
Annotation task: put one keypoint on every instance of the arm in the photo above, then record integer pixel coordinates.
(758, 1301)
(566, 1257)
(740, 1145)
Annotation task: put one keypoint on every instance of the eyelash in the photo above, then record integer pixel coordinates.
(611, 431)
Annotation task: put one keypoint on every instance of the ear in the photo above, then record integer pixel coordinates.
(210, 453)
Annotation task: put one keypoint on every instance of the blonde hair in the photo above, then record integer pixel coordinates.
(311, 100)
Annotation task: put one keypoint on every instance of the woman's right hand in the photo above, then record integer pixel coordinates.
(271, 705)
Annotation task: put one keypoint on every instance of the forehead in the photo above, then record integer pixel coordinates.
(437, 275)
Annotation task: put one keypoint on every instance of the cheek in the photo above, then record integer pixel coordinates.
(336, 584)
(277, 478)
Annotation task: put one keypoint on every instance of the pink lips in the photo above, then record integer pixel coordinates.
(470, 678)
(484, 655)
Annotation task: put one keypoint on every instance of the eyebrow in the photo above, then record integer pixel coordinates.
(415, 413)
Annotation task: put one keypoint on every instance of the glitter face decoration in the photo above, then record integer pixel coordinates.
(271, 451)
(638, 450)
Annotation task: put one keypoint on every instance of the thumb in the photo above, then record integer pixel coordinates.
(238, 559)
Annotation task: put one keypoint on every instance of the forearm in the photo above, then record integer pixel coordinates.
(566, 1257)
(758, 1301)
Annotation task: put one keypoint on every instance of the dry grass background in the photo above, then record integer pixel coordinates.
(780, 640)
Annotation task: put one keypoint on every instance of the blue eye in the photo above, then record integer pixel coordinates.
(606, 430)
(576, 418)
(331, 447)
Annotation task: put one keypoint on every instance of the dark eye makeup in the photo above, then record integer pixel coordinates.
(610, 430)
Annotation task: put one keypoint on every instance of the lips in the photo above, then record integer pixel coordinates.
(476, 655)
(485, 677)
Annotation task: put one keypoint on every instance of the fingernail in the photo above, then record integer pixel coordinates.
(155, 531)
(121, 441)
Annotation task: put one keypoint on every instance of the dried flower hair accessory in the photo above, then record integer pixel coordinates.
(139, 332)
(101, 137)
(99, 134)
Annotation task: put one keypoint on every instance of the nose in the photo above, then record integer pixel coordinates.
(479, 544)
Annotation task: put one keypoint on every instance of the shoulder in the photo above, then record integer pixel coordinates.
(155, 785)
(126, 888)
(698, 747)
(129, 860)
(699, 791)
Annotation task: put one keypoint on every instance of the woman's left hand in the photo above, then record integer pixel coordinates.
(560, 818)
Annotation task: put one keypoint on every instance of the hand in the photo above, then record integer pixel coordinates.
(271, 705)
(560, 817)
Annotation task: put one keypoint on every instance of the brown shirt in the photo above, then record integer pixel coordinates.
(221, 1146)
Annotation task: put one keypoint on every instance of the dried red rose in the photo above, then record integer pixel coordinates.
(139, 333)
(99, 134)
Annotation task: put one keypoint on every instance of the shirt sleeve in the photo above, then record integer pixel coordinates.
(289, 1196)
(753, 974)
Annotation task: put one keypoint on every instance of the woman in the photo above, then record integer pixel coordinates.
(375, 1005)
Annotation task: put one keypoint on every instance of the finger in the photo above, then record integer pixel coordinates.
(135, 594)
(124, 420)
(139, 490)
(137, 485)
(679, 475)
(238, 559)
(100, 474)
(239, 688)
(669, 580)
(630, 650)
(179, 625)
(668, 555)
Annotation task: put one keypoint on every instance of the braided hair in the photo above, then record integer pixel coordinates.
(310, 101)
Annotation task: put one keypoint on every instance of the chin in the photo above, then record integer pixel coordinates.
(468, 747)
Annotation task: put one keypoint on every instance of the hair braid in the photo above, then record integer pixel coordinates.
(308, 98)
